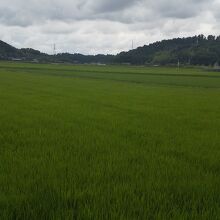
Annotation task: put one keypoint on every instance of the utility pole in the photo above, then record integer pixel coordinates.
(178, 64)
(132, 45)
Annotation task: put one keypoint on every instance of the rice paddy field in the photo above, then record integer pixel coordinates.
(109, 142)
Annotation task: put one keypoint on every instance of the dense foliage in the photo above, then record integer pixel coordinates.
(197, 50)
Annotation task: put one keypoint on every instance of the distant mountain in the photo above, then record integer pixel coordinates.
(197, 50)
(8, 52)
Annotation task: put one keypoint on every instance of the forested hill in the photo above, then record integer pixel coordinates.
(7, 51)
(197, 50)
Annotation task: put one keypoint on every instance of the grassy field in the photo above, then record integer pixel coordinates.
(90, 142)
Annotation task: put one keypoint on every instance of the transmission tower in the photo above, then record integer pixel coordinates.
(54, 49)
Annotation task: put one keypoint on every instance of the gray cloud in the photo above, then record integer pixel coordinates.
(102, 26)
(113, 5)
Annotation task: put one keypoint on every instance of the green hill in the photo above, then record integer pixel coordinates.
(7, 51)
(197, 50)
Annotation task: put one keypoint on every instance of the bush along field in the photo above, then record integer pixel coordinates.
(110, 142)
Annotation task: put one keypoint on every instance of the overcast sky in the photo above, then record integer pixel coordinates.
(103, 26)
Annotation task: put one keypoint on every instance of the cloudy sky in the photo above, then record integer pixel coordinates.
(103, 26)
